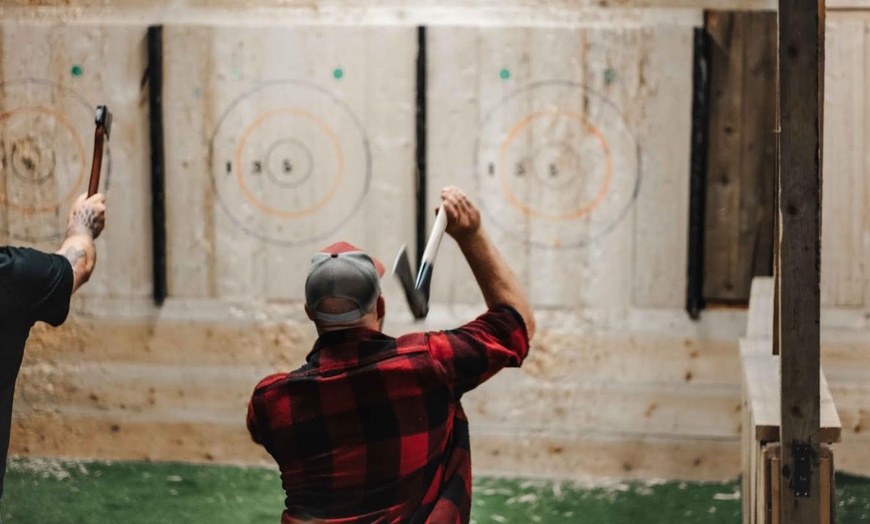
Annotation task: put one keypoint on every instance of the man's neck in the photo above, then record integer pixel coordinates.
(321, 329)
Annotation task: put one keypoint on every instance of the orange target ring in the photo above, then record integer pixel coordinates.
(78, 143)
(264, 207)
(528, 211)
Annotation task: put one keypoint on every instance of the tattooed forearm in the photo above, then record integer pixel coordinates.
(74, 255)
(85, 219)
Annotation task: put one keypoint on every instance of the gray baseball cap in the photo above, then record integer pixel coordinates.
(343, 271)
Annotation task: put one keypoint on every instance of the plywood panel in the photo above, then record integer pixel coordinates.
(844, 210)
(542, 128)
(52, 79)
(301, 137)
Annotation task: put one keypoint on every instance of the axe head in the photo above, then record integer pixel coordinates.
(418, 299)
(103, 118)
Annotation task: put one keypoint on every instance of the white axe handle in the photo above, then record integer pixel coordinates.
(435, 236)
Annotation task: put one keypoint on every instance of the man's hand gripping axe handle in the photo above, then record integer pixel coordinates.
(103, 120)
(417, 290)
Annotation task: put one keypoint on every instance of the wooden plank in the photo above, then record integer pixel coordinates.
(296, 144)
(755, 458)
(524, 453)
(52, 79)
(164, 391)
(866, 152)
(844, 207)
(801, 73)
(761, 379)
(759, 147)
(661, 232)
(123, 390)
(761, 484)
(738, 237)
(723, 156)
(759, 324)
(451, 134)
(776, 490)
(747, 464)
(608, 60)
(189, 201)
(589, 456)
(826, 467)
(110, 438)
(852, 455)
(638, 409)
(632, 356)
(456, 12)
(761, 371)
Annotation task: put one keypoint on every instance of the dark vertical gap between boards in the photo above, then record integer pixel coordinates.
(422, 205)
(698, 176)
(158, 189)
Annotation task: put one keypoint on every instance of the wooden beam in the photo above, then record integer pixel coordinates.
(801, 77)
(741, 154)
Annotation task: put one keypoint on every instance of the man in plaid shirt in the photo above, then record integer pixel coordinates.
(371, 428)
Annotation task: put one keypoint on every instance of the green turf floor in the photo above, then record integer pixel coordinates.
(50, 491)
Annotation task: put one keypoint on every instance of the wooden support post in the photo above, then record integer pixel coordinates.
(801, 76)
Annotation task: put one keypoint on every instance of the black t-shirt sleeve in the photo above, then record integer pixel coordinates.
(37, 285)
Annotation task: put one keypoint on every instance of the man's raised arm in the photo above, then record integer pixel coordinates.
(87, 217)
(497, 282)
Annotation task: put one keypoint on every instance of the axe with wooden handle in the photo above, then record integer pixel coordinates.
(103, 120)
(417, 290)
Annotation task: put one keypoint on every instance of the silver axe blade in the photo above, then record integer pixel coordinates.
(103, 117)
(417, 289)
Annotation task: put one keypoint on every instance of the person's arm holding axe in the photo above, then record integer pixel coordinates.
(87, 217)
(497, 282)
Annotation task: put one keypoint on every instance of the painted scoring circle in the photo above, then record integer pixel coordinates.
(557, 165)
(43, 159)
(281, 170)
(290, 162)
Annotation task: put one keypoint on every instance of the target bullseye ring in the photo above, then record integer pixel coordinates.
(558, 165)
(292, 180)
(59, 118)
(257, 202)
(290, 162)
(528, 210)
(544, 169)
(30, 161)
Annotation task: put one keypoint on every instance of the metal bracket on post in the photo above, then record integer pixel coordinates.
(803, 464)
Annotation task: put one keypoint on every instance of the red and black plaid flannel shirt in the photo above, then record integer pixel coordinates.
(371, 428)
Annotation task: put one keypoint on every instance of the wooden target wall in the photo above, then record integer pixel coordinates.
(51, 80)
(281, 141)
(576, 145)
